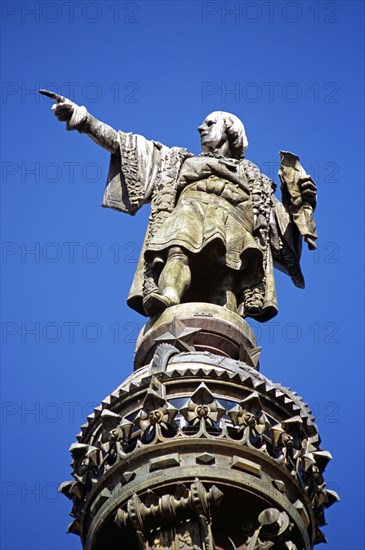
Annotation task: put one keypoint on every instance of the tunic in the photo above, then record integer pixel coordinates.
(221, 210)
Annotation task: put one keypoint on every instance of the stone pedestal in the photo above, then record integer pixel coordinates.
(198, 327)
(198, 450)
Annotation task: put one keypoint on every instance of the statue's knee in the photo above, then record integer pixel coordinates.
(177, 253)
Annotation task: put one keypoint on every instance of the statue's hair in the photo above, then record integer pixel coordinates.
(236, 133)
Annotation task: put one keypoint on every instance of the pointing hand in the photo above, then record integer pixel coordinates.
(66, 110)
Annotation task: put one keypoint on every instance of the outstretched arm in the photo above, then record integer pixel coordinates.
(77, 118)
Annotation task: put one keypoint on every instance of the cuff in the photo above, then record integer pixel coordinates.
(79, 116)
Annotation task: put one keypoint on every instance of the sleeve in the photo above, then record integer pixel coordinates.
(286, 243)
(133, 172)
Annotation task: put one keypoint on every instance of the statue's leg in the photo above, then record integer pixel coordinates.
(222, 290)
(175, 277)
(173, 282)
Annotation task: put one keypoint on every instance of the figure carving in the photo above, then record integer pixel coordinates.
(273, 531)
(216, 228)
(154, 518)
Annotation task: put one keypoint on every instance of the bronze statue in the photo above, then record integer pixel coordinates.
(216, 228)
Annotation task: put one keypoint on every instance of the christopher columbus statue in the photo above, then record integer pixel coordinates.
(216, 229)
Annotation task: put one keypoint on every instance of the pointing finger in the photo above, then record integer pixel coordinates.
(57, 97)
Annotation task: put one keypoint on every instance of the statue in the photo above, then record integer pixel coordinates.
(216, 229)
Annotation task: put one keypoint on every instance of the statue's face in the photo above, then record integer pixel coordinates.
(212, 133)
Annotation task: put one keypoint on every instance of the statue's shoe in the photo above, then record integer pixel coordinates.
(156, 303)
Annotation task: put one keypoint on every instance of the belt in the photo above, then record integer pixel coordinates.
(237, 212)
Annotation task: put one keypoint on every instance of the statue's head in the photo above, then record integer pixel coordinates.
(220, 128)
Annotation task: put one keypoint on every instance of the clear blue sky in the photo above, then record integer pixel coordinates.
(293, 72)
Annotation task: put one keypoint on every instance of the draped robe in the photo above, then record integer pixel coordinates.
(146, 171)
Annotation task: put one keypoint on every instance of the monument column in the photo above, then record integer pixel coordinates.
(197, 449)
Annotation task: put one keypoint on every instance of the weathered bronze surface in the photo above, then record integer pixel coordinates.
(216, 229)
(196, 417)
(198, 327)
(197, 450)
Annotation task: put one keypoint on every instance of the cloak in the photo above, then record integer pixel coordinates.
(145, 171)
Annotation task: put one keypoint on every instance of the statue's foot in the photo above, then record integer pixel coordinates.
(154, 303)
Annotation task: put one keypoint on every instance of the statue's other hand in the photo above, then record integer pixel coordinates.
(308, 190)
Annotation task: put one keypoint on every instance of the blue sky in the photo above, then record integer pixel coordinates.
(293, 72)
